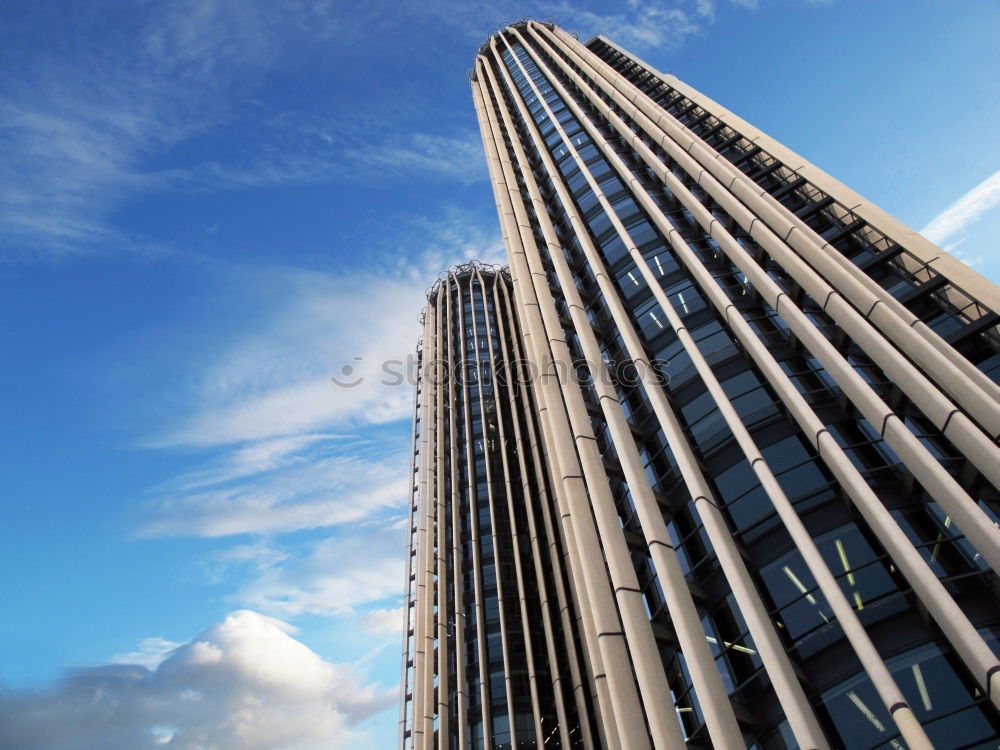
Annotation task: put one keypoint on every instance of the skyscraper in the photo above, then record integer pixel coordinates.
(490, 652)
(768, 413)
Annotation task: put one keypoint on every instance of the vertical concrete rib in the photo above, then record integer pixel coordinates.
(476, 280)
(977, 527)
(515, 533)
(982, 396)
(590, 578)
(457, 624)
(525, 445)
(406, 672)
(578, 490)
(477, 534)
(659, 708)
(441, 709)
(492, 141)
(480, 485)
(663, 719)
(968, 644)
(423, 672)
(797, 706)
(979, 395)
(887, 688)
(597, 684)
(923, 249)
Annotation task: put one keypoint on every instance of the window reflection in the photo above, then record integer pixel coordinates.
(949, 708)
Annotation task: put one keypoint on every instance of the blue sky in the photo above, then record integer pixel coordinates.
(208, 207)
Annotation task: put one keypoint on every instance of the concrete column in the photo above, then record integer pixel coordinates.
(553, 428)
(507, 329)
(458, 624)
(977, 527)
(968, 385)
(530, 444)
(405, 668)
(611, 638)
(853, 630)
(681, 605)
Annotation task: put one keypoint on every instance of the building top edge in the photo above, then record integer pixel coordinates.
(518, 24)
(464, 270)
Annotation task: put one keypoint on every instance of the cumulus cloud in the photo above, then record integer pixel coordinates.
(243, 684)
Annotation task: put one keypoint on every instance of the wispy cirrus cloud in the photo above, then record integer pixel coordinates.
(293, 149)
(459, 157)
(385, 621)
(89, 129)
(642, 24)
(250, 460)
(245, 683)
(167, 104)
(965, 211)
(274, 378)
(334, 576)
(321, 491)
(298, 417)
(637, 25)
(150, 652)
(79, 128)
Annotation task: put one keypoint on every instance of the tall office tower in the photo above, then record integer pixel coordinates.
(769, 412)
(490, 656)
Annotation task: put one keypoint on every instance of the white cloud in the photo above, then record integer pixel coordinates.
(285, 448)
(293, 150)
(259, 554)
(319, 491)
(965, 211)
(80, 127)
(705, 8)
(274, 380)
(250, 460)
(641, 25)
(336, 576)
(265, 380)
(460, 157)
(384, 621)
(242, 684)
(150, 652)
